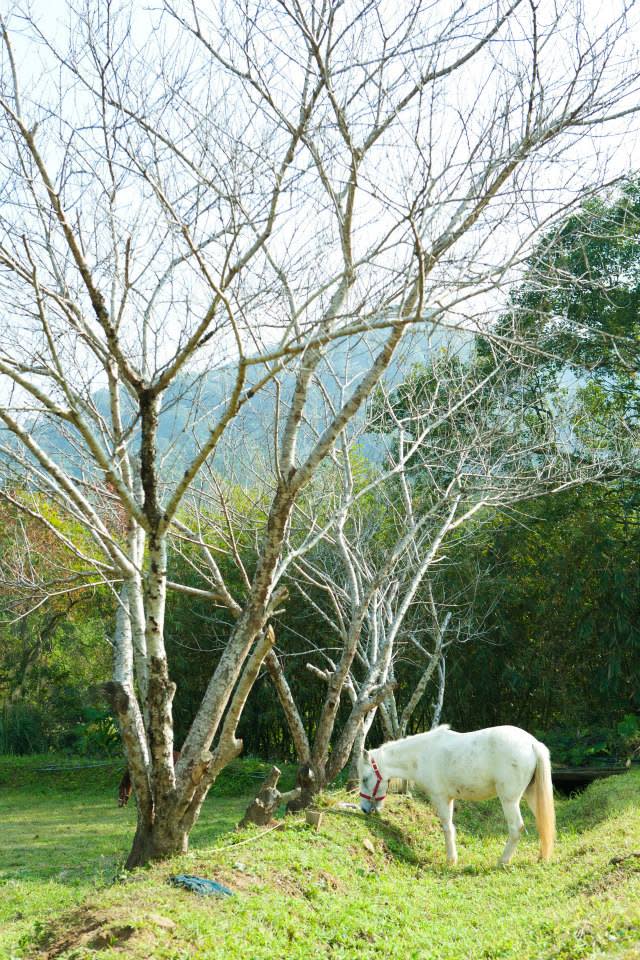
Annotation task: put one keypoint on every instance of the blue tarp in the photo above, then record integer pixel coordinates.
(200, 885)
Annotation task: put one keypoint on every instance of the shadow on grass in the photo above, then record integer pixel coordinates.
(396, 840)
(425, 853)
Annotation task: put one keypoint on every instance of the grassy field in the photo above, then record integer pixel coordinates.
(360, 887)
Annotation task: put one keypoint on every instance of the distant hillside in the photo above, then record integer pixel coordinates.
(191, 408)
(193, 405)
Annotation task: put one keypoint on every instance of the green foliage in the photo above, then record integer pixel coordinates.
(565, 629)
(629, 728)
(51, 654)
(71, 726)
(593, 745)
(587, 273)
(96, 735)
(22, 729)
(564, 636)
(579, 308)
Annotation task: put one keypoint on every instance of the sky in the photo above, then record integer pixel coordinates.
(304, 241)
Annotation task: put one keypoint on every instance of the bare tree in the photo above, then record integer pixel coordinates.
(210, 196)
(464, 447)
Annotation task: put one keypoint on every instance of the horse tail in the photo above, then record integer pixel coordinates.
(125, 788)
(543, 801)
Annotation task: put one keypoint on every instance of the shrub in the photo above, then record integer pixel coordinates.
(578, 747)
(22, 729)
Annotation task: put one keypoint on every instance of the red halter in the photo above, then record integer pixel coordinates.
(379, 778)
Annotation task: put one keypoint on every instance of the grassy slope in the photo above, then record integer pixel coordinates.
(302, 894)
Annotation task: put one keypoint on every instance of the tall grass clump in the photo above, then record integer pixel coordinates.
(22, 730)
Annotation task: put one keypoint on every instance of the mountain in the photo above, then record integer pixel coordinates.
(191, 406)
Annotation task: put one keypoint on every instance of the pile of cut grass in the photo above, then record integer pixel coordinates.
(306, 894)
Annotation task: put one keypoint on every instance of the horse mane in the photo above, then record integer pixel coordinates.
(414, 736)
(427, 733)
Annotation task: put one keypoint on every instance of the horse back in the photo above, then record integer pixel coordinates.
(477, 765)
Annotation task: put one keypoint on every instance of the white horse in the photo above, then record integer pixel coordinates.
(499, 761)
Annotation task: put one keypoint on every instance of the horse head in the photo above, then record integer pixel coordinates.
(373, 785)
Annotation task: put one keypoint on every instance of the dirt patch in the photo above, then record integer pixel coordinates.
(329, 882)
(101, 932)
(240, 877)
(111, 936)
(617, 874)
(288, 885)
(237, 879)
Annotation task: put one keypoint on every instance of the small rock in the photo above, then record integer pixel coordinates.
(240, 866)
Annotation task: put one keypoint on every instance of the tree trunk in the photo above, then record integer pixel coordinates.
(353, 776)
(310, 782)
(261, 810)
(156, 841)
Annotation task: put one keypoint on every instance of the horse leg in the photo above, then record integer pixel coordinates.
(515, 823)
(444, 809)
(530, 797)
(124, 789)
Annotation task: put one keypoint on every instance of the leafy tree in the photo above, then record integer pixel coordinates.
(52, 630)
(564, 642)
(578, 308)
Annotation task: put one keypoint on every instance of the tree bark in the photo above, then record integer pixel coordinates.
(288, 704)
(353, 776)
(157, 840)
(261, 810)
(309, 782)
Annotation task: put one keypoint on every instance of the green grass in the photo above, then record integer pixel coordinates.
(307, 894)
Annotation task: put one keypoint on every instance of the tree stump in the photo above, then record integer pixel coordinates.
(307, 788)
(261, 810)
(313, 818)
